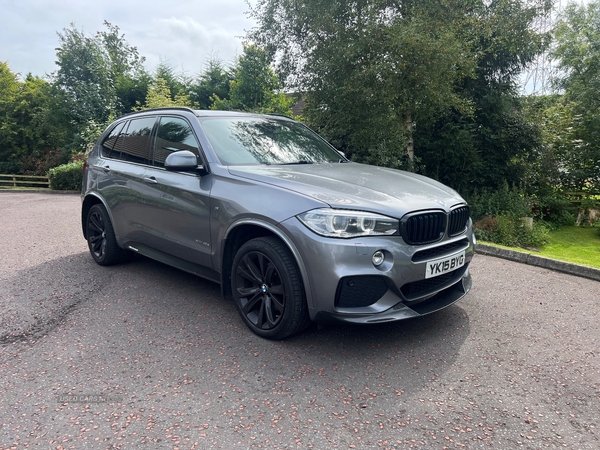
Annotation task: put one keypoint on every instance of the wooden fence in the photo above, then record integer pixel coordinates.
(578, 198)
(13, 181)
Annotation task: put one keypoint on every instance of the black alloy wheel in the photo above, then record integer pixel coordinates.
(267, 289)
(101, 237)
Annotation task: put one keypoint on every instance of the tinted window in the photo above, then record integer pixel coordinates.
(174, 134)
(135, 145)
(110, 146)
(266, 141)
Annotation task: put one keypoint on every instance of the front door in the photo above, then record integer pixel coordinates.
(178, 208)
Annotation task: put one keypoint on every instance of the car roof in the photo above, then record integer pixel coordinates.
(203, 112)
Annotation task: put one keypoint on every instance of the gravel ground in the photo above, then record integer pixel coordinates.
(144, 356)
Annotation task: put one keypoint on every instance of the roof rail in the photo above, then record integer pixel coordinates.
(162, 108)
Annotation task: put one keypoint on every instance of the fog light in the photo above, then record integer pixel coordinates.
(378, 258)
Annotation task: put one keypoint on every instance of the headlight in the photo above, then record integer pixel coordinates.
(341, 223)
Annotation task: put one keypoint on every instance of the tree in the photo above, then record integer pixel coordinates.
(127, 72)
(577, 54)
(545, 164)
(487, 147)
(176, 84)
(255, 86)
(423, 85)
(9, 89)
(84, 74)
(160, 95)
(101, 75)
(31, 132)
(371, 69)
(214, 81)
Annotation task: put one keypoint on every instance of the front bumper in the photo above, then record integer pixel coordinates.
(343, 285)
(402, 310)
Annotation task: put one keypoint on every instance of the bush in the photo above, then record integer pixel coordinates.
(505, 230)
(510, 202)
(555, 209)
(67, 177)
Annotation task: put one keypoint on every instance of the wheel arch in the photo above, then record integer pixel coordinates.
(241, 232)
(89, 201)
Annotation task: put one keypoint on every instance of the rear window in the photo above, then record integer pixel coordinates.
(110, 148)
(135, 145)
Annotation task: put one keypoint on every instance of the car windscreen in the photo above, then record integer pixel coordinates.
(265, 140)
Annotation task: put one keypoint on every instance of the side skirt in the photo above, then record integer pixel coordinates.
(174, 261)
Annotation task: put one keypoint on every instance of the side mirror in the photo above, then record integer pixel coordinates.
(183, 161)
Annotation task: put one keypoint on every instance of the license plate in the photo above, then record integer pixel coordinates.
(444, 265)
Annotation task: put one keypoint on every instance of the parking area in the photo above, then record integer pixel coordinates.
(144, 356)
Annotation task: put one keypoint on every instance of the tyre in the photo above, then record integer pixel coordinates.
(101, 238)
(267, 289)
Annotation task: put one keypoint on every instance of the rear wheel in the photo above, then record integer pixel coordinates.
(101, 238)
(267, 289)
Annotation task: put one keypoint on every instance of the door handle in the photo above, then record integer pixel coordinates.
(106, 169)
(150, 180)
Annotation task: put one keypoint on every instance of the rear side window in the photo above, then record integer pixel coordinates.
(135, 141)
(110, 146)
(173, 135)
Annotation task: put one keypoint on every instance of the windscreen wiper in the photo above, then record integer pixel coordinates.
(296, 163)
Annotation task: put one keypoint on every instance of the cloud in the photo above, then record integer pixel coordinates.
(187, 44)
(185, 33)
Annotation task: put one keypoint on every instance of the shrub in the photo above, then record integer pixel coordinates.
(555, 209)
(485, 228)
(507, 201)
(39, 164)
(505, 230)
(67, 177)
(536, 236)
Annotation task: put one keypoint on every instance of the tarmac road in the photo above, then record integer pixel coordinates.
(145, 356)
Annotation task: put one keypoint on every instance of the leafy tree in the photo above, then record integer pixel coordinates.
(488, 146)
(31, 137)
(101, 75)
(9, 88)
(423, 85)
(176, 84)
(577, 54)
(214, 81)
(160, 95)
(84, 74)
(371, 69)
(545, 163)
(255, 86)
(129, 77)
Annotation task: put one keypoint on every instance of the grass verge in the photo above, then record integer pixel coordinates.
(579, 245)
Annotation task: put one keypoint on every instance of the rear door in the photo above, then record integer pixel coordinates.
(121, 177)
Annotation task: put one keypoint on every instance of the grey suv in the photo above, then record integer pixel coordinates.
(292, 230)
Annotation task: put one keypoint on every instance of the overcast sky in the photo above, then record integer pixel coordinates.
(183, 33)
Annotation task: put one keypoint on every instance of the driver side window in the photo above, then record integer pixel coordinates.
(174, 134)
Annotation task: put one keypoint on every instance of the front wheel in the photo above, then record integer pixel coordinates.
(267, 289)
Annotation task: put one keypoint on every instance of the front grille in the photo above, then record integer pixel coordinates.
(429, 285)
(440, 250)
(459, 218)
(423, 228)
(360, 291)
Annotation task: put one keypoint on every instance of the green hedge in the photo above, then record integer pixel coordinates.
(67, 177)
